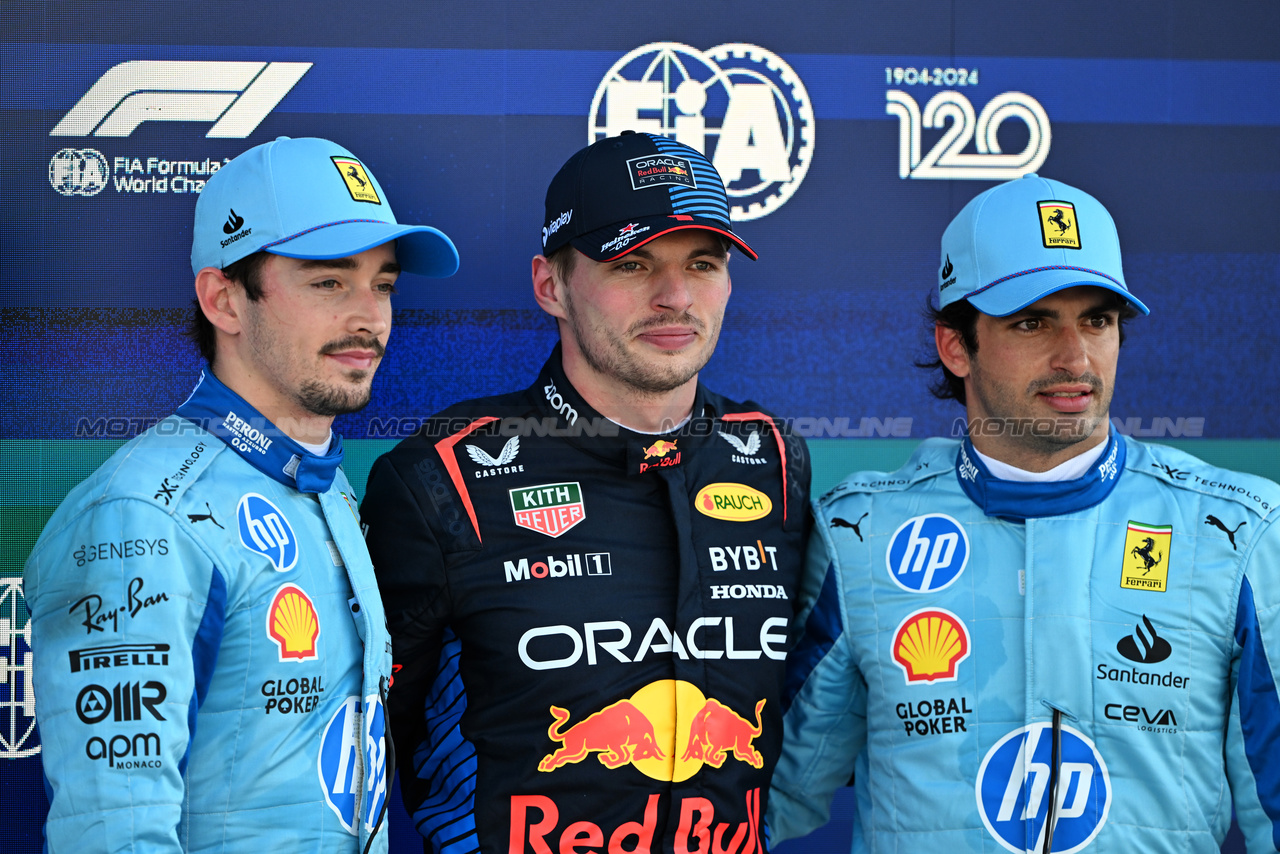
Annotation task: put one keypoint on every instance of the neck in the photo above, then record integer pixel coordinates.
(288, 417)
(643, 412)
(1031, 453)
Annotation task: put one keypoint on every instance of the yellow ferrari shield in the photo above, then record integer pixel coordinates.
(1146, 557)
(357, 180)
(1058, 225)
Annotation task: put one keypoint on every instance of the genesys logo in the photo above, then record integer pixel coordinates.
(234, 96)
(740, 105)
(563, 566)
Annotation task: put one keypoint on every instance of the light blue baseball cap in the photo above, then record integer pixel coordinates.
(1025, 239)
(306, 198)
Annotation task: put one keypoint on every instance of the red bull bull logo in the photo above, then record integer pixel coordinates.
(659, 448)
(718, 731)
(618, 733)
(642, 731)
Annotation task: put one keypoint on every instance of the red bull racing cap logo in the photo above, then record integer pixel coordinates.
(641, 730)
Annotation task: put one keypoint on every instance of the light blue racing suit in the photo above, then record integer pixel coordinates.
(959, 612)
(210, 651)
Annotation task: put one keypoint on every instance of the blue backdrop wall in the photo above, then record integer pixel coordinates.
(849, 133)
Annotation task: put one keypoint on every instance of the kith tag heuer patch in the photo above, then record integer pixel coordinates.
(1146, 557)
(357, 180)
(550, 508)
(1058, 225)
(658, 169)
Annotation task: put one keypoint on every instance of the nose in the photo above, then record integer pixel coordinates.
(672, 292)
(370, 313)
(1071, 351)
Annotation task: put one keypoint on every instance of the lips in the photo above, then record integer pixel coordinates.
(670, 338)
(1068, 400)
(355, 359)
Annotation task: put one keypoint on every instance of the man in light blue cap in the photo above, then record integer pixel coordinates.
(210, 652)
(1046, 637)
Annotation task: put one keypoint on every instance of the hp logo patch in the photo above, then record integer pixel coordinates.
(348, 773)
(375, 760)
(1013, 784)
(927, 553)
(265, 530)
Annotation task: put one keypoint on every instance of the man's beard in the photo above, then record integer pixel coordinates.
(328, 400)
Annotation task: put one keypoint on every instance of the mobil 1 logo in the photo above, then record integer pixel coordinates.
(927, 553)
(1013, 790)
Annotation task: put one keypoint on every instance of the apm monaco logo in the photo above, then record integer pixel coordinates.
(18, 736)
(739, 104)
(549, 508)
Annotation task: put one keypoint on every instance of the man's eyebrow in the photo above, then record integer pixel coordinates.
(344, 264)
(708, 248)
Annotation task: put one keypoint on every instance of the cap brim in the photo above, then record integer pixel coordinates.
(420, 249)
(1015, 294)
(603, 243)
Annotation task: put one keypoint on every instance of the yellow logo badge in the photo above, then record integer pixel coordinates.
(732, 502)
(1058, 225)
(1146, 557)
(359, 185)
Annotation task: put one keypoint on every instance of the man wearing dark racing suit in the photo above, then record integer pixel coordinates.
(590, 583)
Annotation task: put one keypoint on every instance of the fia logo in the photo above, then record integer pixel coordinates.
(79, 172)
(265, 530)
(1013, 784)
(947, 160)
(18, 737)
(740, 105)
(353, 764)
(236, 96)
(927, 553)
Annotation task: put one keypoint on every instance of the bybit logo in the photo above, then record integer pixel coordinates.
(236, 96)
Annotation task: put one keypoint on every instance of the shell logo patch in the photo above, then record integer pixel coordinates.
(1058, 226)
(358, 182)
(1145, 565)
(293, 624)
(732, 502)
(930, 644)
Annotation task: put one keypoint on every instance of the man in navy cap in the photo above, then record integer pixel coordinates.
(1046, 636)
(589, 583)
(210, 651)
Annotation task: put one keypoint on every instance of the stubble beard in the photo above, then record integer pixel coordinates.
(1045, 435)
(612, 359)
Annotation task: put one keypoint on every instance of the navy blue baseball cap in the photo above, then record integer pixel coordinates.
(306, 198)
(624, 191)
(1025, 239)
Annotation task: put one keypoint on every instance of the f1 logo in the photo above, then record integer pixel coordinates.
(237, 96)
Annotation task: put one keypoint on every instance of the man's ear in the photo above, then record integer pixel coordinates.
(951, 350)
(548, 290)
(220, 299)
